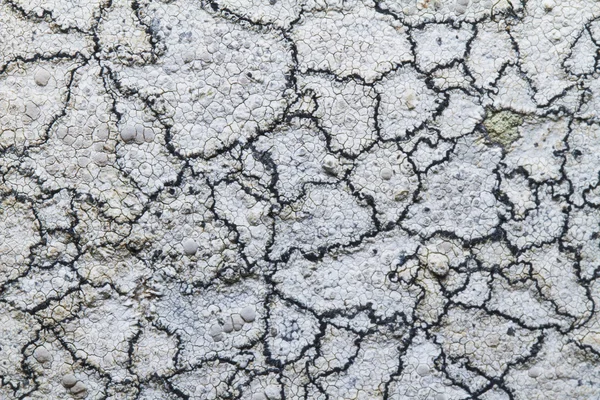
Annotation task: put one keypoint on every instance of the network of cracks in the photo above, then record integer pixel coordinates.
(299, 199)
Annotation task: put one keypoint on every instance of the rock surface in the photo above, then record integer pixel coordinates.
(298, 199)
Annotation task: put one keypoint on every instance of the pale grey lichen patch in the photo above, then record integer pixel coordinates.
(346, 110)
(345, 36)
(299, 199)
(326, 216)
(406, 102)
(450, 201)
(440, 44)
(386, 174)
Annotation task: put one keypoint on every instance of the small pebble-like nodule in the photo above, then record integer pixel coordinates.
(238, 322)
(329, 164)
(128, 133)
(42, 355)
(148, 134)
(32, 110)
(228, 325)
(386, 174)
(216, 332)
(190, 247)
(69, 380)
(438, 264)
(79, 389)
(548, 5)
(423, 370)
(42, 77)
(248, 313)
(535, 372)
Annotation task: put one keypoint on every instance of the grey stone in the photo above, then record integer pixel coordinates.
(460, 9)
(401, 195)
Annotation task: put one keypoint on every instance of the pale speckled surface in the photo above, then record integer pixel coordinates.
(299, 199)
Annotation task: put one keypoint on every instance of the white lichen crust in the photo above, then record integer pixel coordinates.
(299, 199)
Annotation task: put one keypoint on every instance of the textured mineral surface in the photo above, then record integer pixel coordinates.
(299, 199)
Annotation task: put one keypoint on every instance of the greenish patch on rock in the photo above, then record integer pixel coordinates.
(503, 127)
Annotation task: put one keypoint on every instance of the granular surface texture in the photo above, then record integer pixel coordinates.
(299, 199)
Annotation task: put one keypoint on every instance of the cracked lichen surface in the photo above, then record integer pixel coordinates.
(299, 199)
